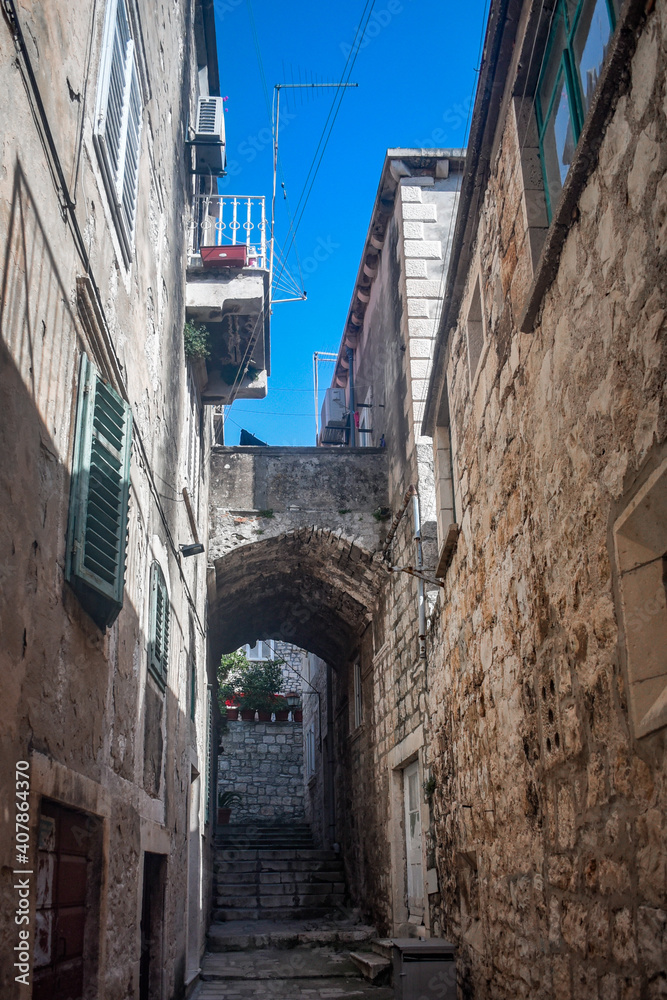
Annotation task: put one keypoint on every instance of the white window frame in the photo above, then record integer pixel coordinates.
(264, 647)
(118, 119)
(358, 699)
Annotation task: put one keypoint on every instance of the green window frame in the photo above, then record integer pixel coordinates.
(159, 622)
(561, 102)
(99, 497)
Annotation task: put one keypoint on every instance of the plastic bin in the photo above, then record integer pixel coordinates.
(424, 970)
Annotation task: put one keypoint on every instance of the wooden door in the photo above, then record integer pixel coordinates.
(65, 849)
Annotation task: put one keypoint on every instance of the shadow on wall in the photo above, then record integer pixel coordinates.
(71, 693)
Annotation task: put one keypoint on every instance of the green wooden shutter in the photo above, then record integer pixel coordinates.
(158, 651)
(99, 497)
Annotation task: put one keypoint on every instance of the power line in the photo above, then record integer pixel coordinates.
(338, 96)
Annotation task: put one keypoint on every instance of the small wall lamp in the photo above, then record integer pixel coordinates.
(192, 550)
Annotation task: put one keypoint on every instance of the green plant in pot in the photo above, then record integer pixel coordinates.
(252, 685)
(226, 802)
(196, 341)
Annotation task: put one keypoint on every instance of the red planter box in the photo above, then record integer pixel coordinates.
(214, 258)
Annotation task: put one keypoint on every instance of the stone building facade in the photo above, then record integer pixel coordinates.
(546, 704)
(526, 749)
(263, 760)
(263, 763)
(107, 702)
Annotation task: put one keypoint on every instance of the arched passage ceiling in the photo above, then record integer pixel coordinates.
(310, 587)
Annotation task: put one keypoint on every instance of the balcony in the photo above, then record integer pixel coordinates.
(227, 291)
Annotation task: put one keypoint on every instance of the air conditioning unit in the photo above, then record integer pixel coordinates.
(209, 141)
(334, 410)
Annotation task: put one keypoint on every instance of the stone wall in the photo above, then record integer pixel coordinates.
(549, 810)
(100, 736)
(263, 761)
(262, 493)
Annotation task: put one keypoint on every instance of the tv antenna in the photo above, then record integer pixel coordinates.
(275, 126)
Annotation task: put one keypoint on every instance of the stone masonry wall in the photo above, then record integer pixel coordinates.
(549, 814)
(263, 761)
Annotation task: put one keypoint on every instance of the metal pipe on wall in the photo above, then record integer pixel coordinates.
(350, 359)
(420, 582)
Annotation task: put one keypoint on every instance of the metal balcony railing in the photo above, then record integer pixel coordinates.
(230, 220)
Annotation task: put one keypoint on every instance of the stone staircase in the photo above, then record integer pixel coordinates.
(274, 873)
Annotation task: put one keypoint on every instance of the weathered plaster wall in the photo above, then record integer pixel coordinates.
(76, 700)
(549, 815)
(263, 762)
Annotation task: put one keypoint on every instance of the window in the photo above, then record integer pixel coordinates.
(640, 537)
(358, 702)
(158, 646)
(310, 750)
(99, 498)
(576, 48)
(117, 130)
(475, 333)
(262, 650)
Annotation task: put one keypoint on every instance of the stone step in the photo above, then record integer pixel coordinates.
(242, 936)
(274, 878)
(298, 900)
(243, 901)
(280, 889)
(276, 963)
(294, 863)
(262, 838)
(273, 854)
(373, 967)
(292, 912)
(290, 989)
(384, 947)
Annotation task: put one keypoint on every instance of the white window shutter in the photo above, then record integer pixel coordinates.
(118, 120)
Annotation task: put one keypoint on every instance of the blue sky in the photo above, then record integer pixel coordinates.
(416, 70)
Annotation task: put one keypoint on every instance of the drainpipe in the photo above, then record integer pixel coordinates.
(350, 358)
(331, 804)
(420, 582)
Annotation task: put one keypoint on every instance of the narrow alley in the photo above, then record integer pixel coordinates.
(373, 703)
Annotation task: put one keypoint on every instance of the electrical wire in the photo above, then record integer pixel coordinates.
(338, 96)
(269, 111)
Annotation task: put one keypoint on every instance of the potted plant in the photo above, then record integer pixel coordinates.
(232, 711)
(226, 800)
(252, 685)
(281, 708)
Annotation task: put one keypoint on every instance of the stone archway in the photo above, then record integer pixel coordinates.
(311, 586)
